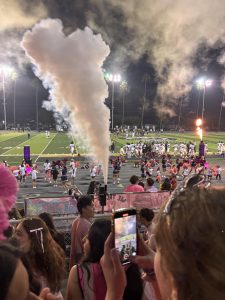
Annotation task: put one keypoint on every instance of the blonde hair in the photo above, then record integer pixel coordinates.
(191, 239)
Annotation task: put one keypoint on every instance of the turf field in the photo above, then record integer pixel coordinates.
(57, 145)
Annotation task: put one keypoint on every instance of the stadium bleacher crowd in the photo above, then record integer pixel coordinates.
(180, 247)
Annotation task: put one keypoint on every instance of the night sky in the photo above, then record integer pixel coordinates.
(172, 45)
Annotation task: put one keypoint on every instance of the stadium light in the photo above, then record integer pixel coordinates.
(114, 78)
(203, 83)
(5, 71)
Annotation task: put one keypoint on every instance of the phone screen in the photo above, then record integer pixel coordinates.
(126, 235)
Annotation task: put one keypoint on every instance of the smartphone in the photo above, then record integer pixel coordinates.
(125, 229)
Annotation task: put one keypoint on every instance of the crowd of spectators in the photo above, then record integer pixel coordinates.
(180, 249)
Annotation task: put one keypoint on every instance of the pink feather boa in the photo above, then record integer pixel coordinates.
(8, 191)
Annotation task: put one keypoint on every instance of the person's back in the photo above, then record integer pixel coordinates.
(92, 274)
(134, 187)
(150, 188)
(79, 229)
(86, 280)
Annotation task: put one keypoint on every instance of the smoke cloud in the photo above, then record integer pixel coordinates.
(221, 60)
(168, 31)
(70, 66)
(15, 16)
(22, 14)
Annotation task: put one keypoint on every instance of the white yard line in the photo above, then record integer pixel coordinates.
(19, 144)
(46, 147)
(9, 138)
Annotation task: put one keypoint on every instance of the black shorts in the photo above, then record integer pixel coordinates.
(115, 172)
(64, 178)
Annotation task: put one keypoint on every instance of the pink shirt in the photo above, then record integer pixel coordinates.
(80, 228)
(134, 188)
(92, 281)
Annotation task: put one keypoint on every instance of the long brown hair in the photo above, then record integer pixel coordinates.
(191, 239)
(46, 258)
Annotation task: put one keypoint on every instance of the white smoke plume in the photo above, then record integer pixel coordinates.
(70, 66)
(168, 31)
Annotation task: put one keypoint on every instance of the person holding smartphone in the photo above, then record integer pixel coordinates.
(188, 264)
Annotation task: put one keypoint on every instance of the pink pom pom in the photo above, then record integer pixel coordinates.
(8, 190)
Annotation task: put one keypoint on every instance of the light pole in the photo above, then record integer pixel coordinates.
(123, 87)
(4, 71)
(222, 104)
(36, 97)
(199, 94)
(35, 84)
(146, 78)
(179, 116)
(4, 104)
(14, 78)
(114, 78)
(203, 83)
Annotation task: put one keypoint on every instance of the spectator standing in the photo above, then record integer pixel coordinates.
(72, 148)
(22, 170)
(116, 172)
(73, 172)
(55, 174)
(218, 172)
(80, 227)
(47, 168)
(64, 179)
(34, 176)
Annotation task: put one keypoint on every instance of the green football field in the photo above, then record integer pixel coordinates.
(57, 145)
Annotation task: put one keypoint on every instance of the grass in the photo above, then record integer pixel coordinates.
(12, 143)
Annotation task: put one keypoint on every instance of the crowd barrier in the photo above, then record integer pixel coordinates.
(55, 206)
(137, 200)
(68, 205)
(64, 209)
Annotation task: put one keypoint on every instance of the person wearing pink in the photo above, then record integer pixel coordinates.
(80, 228)
(134, 187)
(86, 280)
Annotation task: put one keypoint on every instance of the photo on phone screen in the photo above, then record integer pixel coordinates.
(125, 224)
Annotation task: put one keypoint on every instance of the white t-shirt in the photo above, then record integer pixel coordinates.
(16, 173)
(47, 166)
(72, 147)
(22, 171)
(34, 174)
(73, 172)
(93, 171)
